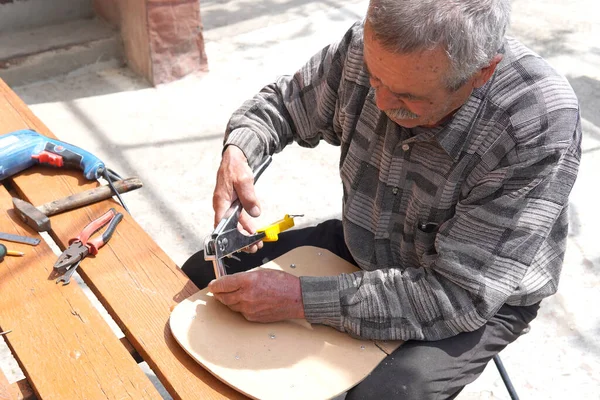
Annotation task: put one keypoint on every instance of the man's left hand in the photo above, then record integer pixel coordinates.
(260, 296)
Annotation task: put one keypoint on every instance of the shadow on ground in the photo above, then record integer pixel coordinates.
(588, 93)
(78, 84)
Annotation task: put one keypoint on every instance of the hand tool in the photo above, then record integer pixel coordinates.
(5, 252)
(272, 231)
(226, 239)
(37, 217)
(22, 149)
(81, 246)
(19, 239)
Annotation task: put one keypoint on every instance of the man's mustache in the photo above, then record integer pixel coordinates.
(401, 113)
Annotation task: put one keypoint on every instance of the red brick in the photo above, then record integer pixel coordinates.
(176, 42)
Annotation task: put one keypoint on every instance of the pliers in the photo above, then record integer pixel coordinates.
(81, 246)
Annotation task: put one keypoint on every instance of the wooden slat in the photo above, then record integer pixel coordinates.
(16, 391)
(133, 278)
(24, 390)
(7, 392)
(131, 350)
(60, 340)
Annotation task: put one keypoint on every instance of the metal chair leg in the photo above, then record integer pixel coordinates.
(509, 386)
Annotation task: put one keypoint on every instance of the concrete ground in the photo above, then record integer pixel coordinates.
(171, 136)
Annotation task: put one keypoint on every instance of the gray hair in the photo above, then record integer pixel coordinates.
(470, 31)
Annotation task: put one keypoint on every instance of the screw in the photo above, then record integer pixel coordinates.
(223, 244)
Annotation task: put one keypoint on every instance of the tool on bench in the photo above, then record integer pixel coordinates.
(9, 237)
(37, 217)
(22, 149)
(81, 246)
(226, 239)
(5, 252)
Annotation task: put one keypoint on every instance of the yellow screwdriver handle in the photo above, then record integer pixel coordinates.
(272, 231)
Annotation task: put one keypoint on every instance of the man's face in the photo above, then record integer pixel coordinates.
(410, 88)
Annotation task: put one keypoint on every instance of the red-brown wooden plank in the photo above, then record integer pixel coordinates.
(63, 345)
(133, 278)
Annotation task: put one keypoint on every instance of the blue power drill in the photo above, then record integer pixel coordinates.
(22, 149)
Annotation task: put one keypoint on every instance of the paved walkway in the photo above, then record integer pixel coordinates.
(171, 137)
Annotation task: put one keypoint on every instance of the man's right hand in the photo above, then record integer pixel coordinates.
(235, 179)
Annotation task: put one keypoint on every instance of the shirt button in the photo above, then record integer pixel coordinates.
(395, 191)
(405, 147)
(386, 235)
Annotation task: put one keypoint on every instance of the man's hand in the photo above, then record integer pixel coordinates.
(260, 296)
(236, 179)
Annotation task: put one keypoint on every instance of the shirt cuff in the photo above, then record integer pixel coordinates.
(250, 144)
(321, 298)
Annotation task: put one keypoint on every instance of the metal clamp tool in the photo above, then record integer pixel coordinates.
(226, 239)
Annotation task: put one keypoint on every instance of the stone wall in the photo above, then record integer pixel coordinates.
(162, 38)
(176, 41)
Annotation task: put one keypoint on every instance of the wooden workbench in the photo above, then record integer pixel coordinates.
(61, 342)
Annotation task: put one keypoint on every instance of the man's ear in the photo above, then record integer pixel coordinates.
(485, 73)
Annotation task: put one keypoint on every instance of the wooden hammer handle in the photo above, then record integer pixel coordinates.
(89, 196)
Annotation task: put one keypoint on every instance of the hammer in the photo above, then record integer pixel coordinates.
(37, 217)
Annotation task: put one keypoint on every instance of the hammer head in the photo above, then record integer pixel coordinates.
(31, 215)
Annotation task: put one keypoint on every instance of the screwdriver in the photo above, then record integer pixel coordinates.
(5, 252)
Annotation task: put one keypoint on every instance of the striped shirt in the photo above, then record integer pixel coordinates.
(448, 223)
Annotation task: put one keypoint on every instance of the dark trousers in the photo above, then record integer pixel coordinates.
(417, 370)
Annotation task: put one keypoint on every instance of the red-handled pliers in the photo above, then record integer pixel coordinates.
(81, 246)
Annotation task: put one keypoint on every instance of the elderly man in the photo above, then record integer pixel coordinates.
(458, 150)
